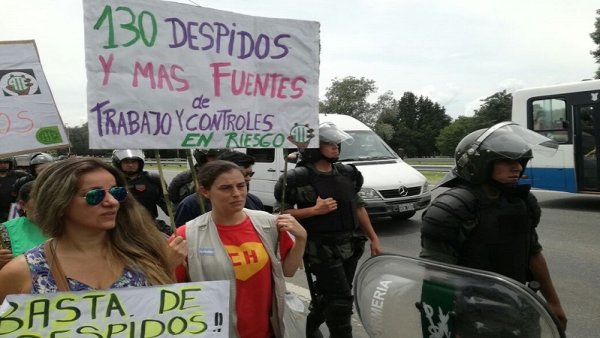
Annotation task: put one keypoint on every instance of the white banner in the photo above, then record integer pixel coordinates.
(169, 75)
(185, 310)
(29, 120)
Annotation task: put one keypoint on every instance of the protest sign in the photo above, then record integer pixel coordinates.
(29, 120)
(169, 75)
(198, 309)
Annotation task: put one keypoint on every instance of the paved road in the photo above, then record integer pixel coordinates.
(570, 233)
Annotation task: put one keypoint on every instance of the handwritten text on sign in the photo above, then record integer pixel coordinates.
(170, 75)
(191, 309)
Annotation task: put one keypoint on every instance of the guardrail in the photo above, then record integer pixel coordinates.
(420, 167)
(440, 168)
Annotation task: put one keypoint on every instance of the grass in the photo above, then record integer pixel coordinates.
(431, 161)
(166, 167)
(433, 177)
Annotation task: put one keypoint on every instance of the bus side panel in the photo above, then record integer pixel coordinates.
(557, 179)
(552, 173)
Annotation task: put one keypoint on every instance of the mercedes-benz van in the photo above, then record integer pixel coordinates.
(391, 186)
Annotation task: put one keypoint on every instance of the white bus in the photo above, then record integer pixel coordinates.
(569, 114)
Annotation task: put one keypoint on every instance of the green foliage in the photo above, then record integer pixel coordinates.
(415, 123)
(449, 137)
(349, 97)
(595, 35)
(412, 123)
(496, 108)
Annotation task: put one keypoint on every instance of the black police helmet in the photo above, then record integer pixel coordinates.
(328, 133)
(12, 162)
(476, 152)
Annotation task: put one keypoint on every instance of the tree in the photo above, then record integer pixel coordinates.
(415, 123)
(450, 136)
(349, 97)
(596, 38)
(384, 109)
(496, 108)
(79, 138)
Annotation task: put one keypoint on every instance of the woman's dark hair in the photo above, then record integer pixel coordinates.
(210, 171)
(24, 191)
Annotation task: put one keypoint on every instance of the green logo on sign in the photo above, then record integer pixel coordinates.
(48, 135)
(300, 135)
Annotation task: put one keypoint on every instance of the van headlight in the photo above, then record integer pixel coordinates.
(425, 187)
(368, 194)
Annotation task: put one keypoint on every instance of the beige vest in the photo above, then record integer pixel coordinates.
(208, 261)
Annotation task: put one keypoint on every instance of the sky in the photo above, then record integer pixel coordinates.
(455, 52)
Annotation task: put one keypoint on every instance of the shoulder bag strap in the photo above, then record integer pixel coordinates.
(55, 269)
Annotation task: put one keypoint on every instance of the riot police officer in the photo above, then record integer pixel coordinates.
(329, 208)
(37, 163)
(182, 185)
(487, 220)
(144, 186)
(8, 176)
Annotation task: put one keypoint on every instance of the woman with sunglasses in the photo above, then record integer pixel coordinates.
(100, 238)
(241, 245)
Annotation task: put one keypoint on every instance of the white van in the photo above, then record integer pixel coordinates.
(391, 186)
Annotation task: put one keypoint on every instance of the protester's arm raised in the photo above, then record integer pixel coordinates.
(15, 278)
(293, 259)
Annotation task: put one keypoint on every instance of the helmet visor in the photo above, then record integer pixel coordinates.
(330, 133)
(122, 154)
(513, 141)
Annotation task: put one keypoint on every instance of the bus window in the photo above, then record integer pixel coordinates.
(549, 119)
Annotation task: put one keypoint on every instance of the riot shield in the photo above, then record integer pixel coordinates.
(398, 296)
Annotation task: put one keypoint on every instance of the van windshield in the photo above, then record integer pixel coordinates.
(366, 146)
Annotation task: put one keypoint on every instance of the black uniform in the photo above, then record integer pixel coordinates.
(181, 186)
(7, 194)
(145, 188)
(332, 248)
(465, 227)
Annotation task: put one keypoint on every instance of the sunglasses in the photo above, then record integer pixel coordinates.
(96, 196)
(250, 174)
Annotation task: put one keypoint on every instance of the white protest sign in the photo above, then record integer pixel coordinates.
(169, 75)
(29, 120)
(189, 309)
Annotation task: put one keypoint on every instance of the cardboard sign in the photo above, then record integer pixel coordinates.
(189, 309)
(29, 120)
(170, 75)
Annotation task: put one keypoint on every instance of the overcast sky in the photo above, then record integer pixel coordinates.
(455, 52)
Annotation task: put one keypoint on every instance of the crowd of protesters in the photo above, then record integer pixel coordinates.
(84, 224)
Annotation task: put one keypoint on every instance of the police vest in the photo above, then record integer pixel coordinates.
(339, 185)
(501, 241)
